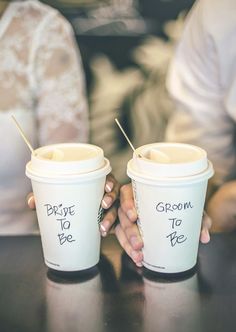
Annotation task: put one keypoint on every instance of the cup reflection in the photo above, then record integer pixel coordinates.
(172, 306)
(74, 304)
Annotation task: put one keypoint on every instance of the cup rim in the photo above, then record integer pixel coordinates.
(170, 181)
(173, 166)
(68, 178)
(42, 168)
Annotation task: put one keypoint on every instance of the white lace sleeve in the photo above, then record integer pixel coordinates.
(58, 80)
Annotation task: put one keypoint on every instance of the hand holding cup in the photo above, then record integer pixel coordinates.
(169, 196)
(68, 182)
(127, 230)
(110, 197)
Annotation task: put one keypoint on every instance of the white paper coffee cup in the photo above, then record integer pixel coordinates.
(169, 184)
(68, 183)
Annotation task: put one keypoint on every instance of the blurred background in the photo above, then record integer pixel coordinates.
(126, 46)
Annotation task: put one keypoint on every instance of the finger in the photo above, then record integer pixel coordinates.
(206, 221)
(31, 201)
(206, 225)
(127, 202)
(108, 221)
(110, 196)
(135, 255)
(130, 230)
(109, 199)
(205, 236)
(110, 183)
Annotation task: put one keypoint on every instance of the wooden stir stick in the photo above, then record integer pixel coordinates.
(23, 135)
(127, 138)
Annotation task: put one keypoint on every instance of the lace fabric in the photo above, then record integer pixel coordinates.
(41, 79)
(40, 69)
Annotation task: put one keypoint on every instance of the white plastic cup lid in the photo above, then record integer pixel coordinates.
(66, 159)
(168, 161)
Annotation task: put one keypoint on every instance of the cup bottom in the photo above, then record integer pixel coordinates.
(58, 268)
(72, 276)
(176, 276)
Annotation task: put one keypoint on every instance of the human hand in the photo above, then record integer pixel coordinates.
(127, 230)
(111, 195)
(222, 208)
(112, 189)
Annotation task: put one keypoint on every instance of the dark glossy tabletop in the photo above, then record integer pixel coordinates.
(116, 296)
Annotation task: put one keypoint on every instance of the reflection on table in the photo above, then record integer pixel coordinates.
(115, 295)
